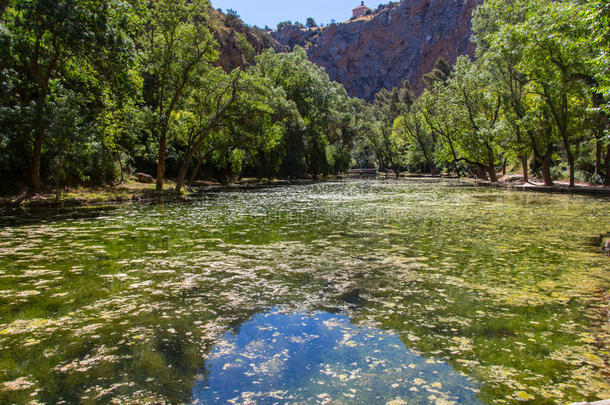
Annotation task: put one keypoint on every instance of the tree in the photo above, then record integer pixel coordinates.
(50, 42)
(479, 101)
(311, 23)
(238, 111)
(177, 47)
(389, 105)
(283, 24)
(549, 51)
(439, 112)
(309, 137)
(416, 134)
(440, 73)
(551, 61)
(209, 103)
(502, 47)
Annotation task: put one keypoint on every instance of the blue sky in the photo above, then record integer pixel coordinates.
(271, 12)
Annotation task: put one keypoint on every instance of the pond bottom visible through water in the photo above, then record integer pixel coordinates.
(278, 357)
(424, 291)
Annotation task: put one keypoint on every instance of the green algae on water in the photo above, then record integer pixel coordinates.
(128, 305)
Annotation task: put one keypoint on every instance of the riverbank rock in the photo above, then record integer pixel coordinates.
(144, 178)
(606, 248)
(604, 402)
(512, 179)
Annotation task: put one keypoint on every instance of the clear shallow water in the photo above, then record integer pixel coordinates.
(132, 303)
(322, 357)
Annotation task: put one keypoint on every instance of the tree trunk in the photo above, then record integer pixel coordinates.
(491, 168)
(571, 164)
(161, 160)
(184, 166)
(194, 173)
(118, 155)
(608, 166)
(546, 169)
(481, 173)
(58, 182)
(39, 135)
(493, 176)
(36, 158)
(504, 166)
(181, 176)
(569, 154)
(598, 157)
(523, 159)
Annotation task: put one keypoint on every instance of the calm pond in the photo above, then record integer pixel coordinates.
(372, 292)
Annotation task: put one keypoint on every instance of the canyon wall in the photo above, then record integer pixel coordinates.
(396, 43)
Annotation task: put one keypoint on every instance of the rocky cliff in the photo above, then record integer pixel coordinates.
(239, 43)
(383, 49)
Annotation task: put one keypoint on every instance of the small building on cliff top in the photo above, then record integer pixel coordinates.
(361, 10)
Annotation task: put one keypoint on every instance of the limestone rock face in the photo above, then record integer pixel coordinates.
(392, 45)
(238, 43)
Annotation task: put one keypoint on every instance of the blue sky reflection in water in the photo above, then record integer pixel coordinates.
(319, 357)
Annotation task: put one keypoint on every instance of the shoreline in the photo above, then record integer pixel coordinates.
(558, 188)
(132, 192)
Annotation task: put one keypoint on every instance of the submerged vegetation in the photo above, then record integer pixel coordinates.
(425, 291)
(143, 303)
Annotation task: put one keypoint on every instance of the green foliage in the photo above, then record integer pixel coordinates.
(50, 51)
(246, 48)
(283, 24)
(90, 90)
(417, 139)
(176, 48)
(389, 105)
(440, 73)
(319, 119)
(537, 91)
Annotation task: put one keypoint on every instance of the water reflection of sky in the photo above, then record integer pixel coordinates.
(277, 357)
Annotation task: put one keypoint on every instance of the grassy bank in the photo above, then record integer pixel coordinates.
(76, 196)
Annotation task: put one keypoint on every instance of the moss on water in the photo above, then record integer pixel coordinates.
(125, 303)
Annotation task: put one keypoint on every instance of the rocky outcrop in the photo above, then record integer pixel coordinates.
(144, 178)
(392, 45)
(239, 43)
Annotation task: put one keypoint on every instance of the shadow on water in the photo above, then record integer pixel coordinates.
(18, 216)
(16, 219)
(322, 357)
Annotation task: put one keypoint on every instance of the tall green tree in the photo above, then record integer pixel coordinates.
(51, 44)
(416, 134)
(552, 61)
(309, 144)
(176, 46)
(477, 101)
